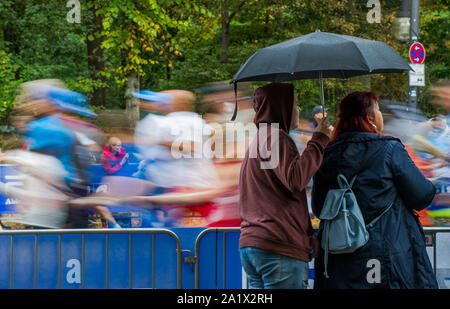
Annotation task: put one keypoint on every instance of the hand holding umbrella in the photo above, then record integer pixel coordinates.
(324, 127)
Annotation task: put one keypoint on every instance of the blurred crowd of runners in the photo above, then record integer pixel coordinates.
(177, 167)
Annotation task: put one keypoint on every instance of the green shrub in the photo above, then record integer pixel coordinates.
(8, 85)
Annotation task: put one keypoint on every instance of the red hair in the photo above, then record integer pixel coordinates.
(354, 111)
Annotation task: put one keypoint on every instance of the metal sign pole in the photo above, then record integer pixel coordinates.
(414, 37)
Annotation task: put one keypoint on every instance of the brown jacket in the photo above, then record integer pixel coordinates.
(273, 205)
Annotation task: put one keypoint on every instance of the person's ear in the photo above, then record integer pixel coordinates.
(371, 120)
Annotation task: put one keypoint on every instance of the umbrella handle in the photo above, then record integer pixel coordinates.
(233, 118)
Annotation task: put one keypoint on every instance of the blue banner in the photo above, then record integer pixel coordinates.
(11, 176)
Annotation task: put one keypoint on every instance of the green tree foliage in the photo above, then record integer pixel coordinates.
(163, 44)
(8, 83)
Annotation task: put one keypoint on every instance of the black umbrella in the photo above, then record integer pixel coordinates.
(320, 55)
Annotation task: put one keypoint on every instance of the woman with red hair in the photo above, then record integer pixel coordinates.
(395, 255)
(359, 112)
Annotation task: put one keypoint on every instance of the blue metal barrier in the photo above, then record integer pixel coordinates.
(133, 258)
(97, 258)
(225, 272)
(118, 258)
(90, 258)
(130, 258)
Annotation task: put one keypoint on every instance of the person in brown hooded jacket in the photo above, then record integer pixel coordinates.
(277, 239)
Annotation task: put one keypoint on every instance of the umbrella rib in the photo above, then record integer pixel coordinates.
(362, 55)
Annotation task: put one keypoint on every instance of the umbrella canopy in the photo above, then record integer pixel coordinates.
(320, 54)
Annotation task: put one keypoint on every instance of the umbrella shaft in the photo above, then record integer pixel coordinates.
(322, 99)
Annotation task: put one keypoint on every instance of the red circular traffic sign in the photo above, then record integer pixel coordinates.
(417, 53)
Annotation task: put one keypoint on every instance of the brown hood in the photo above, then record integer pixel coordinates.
(273, 104)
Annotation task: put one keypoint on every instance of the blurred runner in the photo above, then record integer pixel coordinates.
(173, 169)
(441, 96)
(43, 197)
(173, 142)
(172, 145)
(407, 124)
(44, 113)
(428, 145)
(439, 137)
(179, 182)
(230, 140)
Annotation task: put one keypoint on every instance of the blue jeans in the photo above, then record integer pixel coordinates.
(269, 270)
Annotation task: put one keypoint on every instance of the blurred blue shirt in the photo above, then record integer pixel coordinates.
(49, 135)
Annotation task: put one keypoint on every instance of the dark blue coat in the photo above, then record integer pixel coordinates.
(395, 255)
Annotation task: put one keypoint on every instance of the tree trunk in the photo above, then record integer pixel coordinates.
(225, 37)
(95, 55)
(132, 109)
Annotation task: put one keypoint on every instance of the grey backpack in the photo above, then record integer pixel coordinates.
(344, 230)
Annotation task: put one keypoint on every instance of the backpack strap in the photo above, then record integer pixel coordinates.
(352, 181)
(343, 183)
(325, 256)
